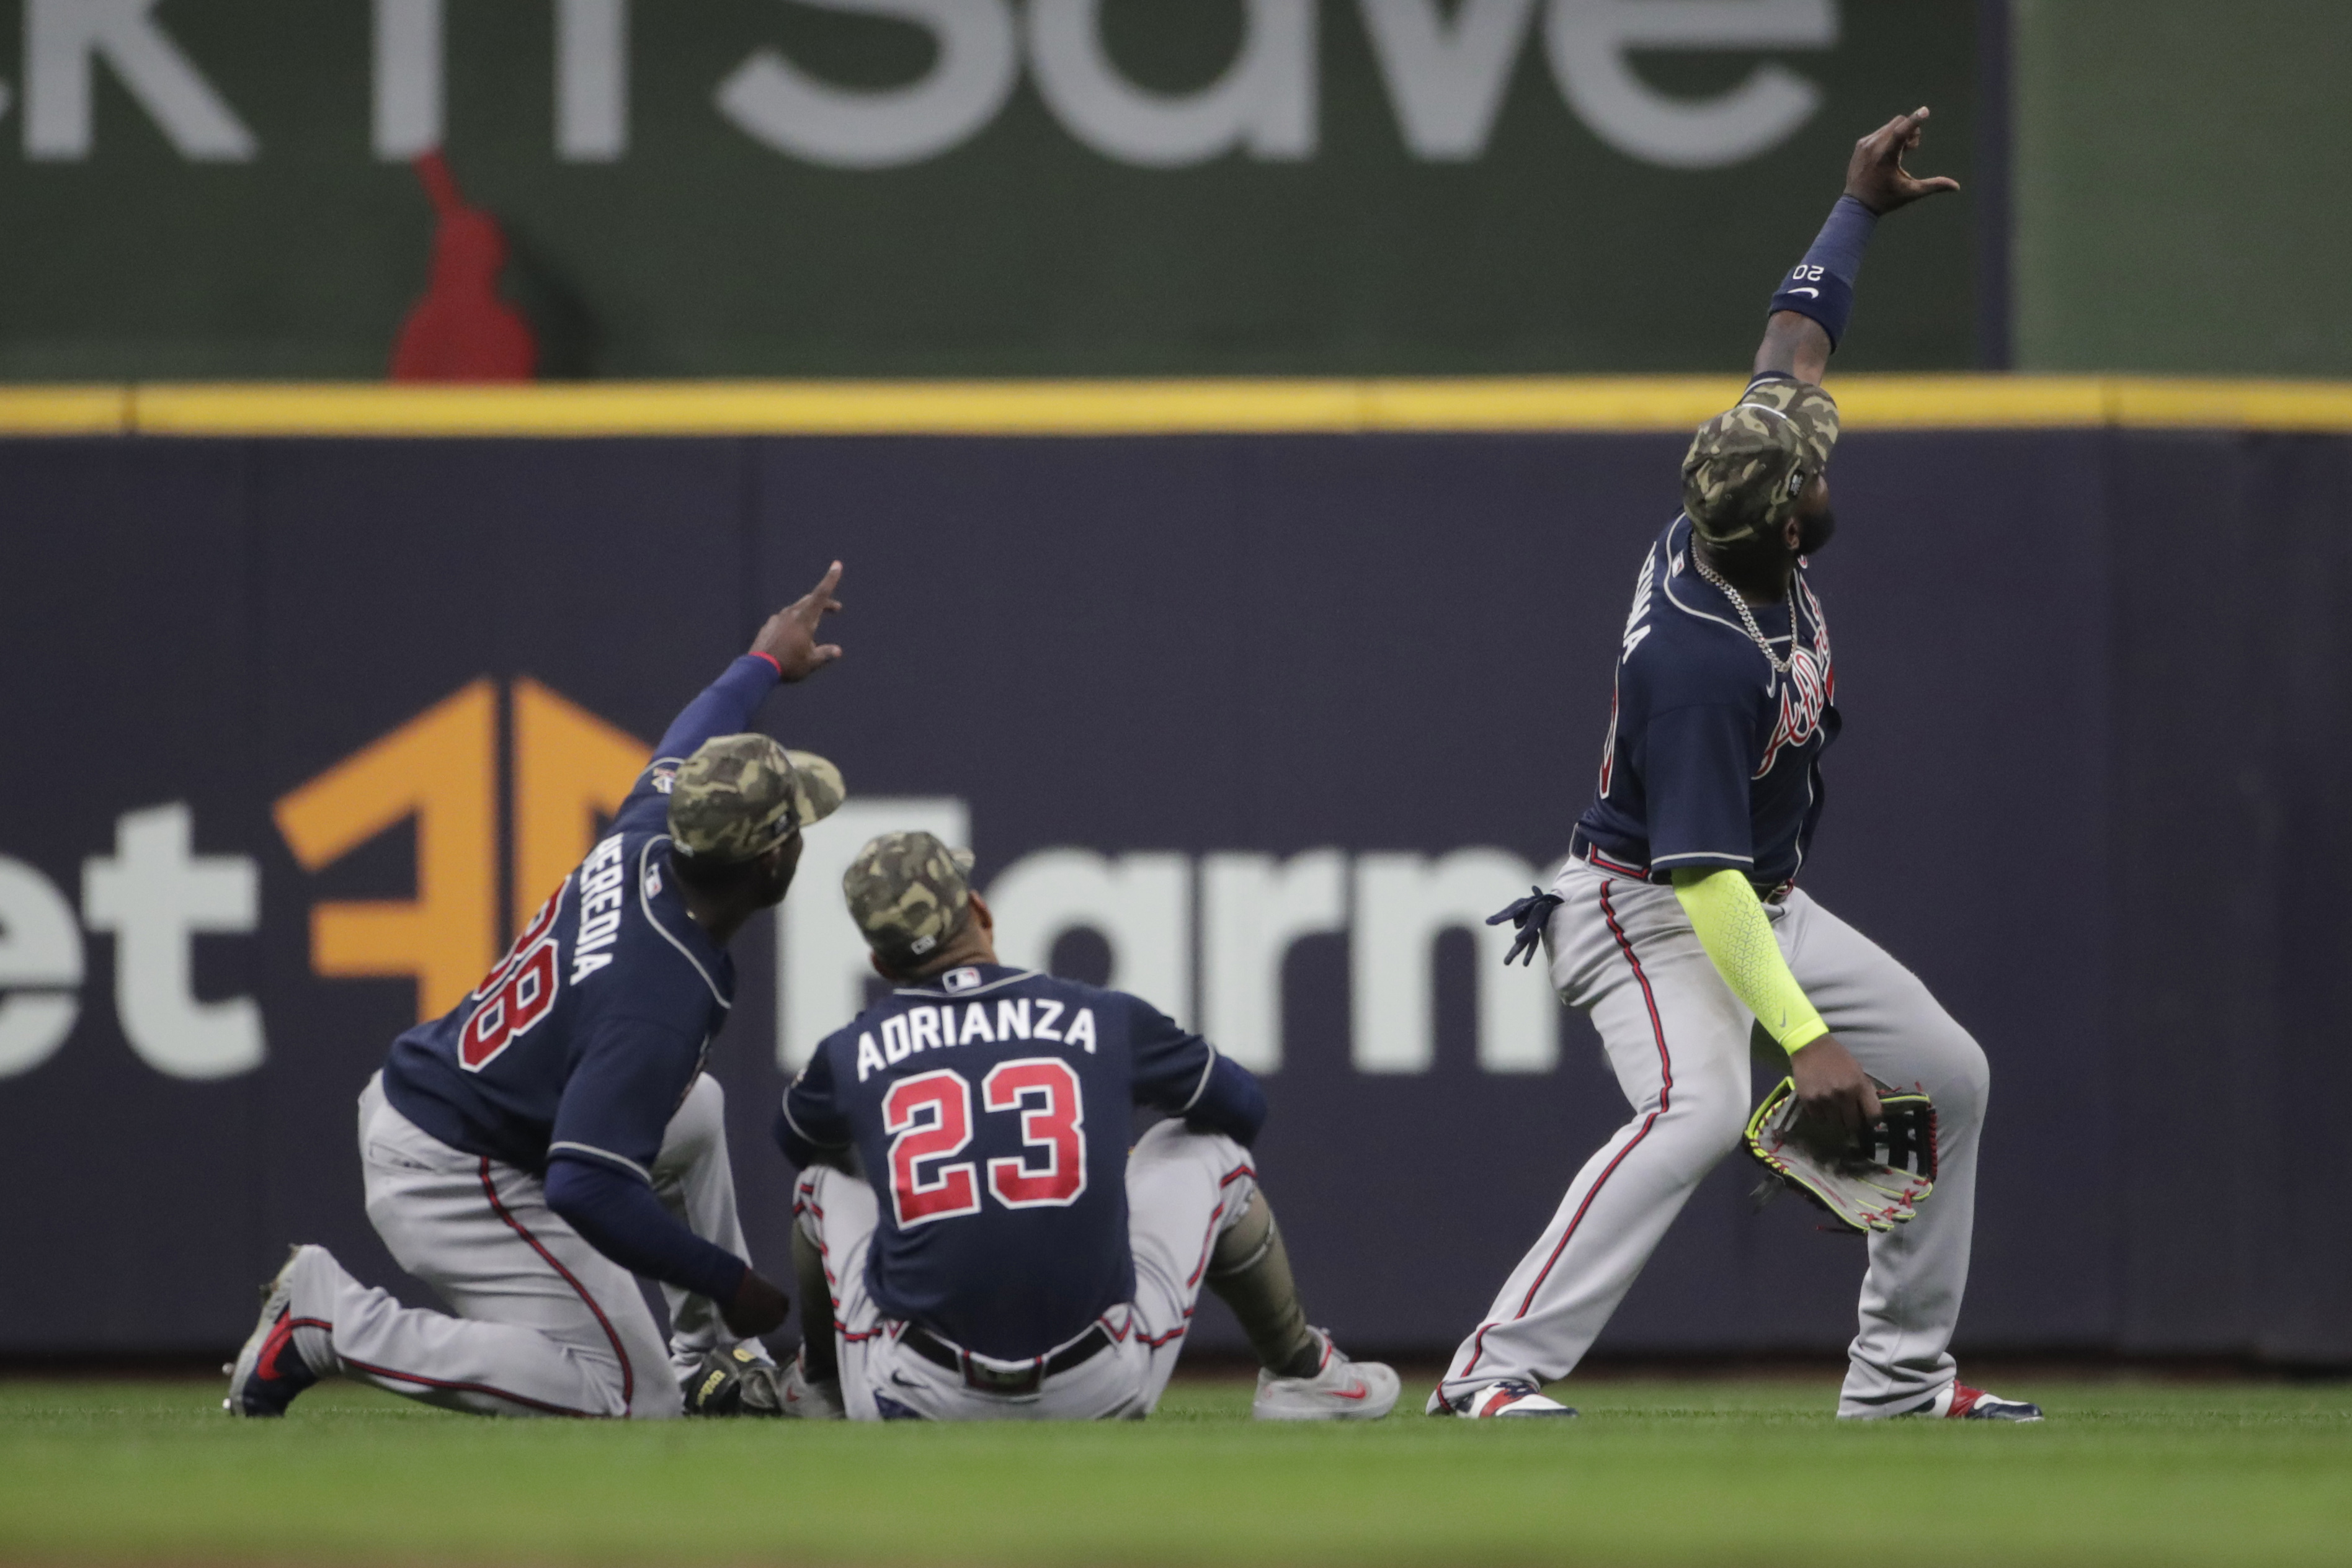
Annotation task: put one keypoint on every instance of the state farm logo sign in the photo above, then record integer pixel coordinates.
(1203, 936)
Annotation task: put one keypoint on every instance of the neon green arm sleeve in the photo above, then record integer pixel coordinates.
(1733, 928)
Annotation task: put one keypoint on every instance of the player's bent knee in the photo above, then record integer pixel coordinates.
(1172, 1140)
(1710, 1113)
(704, 1108)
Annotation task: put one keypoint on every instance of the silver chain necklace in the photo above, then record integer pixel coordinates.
(1748, 616)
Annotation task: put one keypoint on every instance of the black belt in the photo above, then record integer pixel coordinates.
(1024, 1378)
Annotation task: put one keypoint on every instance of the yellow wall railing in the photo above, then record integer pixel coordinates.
(1146, 407)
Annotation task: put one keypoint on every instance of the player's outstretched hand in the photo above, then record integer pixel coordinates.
(1841, 1103)
(790, 635)
(1876, 176)
(759, 1308)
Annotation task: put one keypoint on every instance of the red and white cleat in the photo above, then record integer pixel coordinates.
(1962, 1403)
(1513, 1398)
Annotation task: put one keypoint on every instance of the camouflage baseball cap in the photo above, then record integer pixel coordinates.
(908, 894)
(739, 797)
(1747, 465)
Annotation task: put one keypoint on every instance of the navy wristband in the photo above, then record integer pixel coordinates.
(1822, 286)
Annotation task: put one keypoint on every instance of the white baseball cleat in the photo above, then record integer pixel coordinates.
(1340, 1390)
(1955, 1402)
(804, 1398)
(1512, 1397)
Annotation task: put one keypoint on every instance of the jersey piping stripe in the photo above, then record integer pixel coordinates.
(1665, 1100)
(1209, 1242)
(1703, 855)
(786, 1109)
(1202, 1087)
(568, 1147)
(473, 1388)
(375, 1371)
(1208, 1246)
(628, 1373)
(653, 921)
(960, 995)
(1671, 599)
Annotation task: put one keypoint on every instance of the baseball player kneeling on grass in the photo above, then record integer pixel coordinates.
(1004, 1256)
(1676, 923)
(555, 1135)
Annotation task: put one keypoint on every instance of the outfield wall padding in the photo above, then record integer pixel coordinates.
(2090, 789)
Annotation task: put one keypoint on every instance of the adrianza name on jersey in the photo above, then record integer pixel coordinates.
(938, 1028)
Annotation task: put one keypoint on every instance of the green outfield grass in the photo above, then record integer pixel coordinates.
(1708, 1472)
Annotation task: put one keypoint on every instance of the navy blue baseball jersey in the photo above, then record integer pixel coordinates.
(989, 1112)
(585, 1037)
(1713, 757)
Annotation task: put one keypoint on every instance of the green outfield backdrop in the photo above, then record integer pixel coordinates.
(2179, 179)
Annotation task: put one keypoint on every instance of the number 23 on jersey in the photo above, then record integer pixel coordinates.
(929, 1118)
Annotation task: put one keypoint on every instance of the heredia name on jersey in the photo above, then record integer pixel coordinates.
(974, 1022)
(601, 876)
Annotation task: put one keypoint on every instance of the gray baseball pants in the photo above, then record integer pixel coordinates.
(1183, 1191)
(544, 1325)
(1622, 949)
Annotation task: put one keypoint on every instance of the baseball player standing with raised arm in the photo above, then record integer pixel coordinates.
(555, 1135)
(1676, 923)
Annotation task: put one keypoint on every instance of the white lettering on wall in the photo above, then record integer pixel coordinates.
(592, 81)
(155, 895)
(1264, 104)
(1253, 908)
(1404, 903)
(821, 963)
(1141, 905)
(1590, 42)
(778, 104)
(40, 968)
(408, 78)
(64, 41)
(1448, 67)
(1447, 79)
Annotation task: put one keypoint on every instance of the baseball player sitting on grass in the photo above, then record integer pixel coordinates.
(1003, 1256)
(1676, 923)
(555, 1135)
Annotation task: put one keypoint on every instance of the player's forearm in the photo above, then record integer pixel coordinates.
(618, 1216)
(1793, 345)
(1737, 935)
(724, 708)
(1815, 301)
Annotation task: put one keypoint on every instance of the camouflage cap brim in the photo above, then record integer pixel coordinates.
(739, 797)
(817, 789)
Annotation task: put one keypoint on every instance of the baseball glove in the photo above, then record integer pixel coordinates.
(1875, 1185)
(733, 1382)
